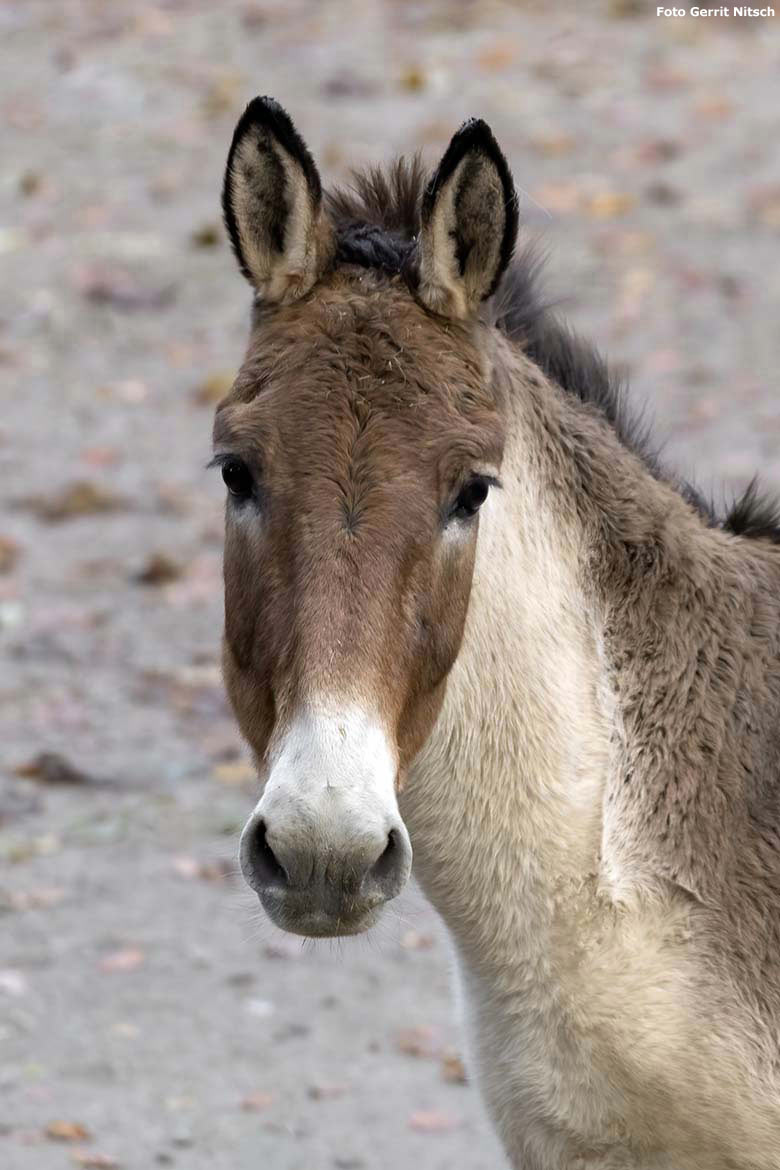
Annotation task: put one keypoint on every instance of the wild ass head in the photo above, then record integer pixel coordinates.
(358, 444)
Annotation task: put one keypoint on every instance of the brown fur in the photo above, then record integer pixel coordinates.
(586, 700)
(362, 417)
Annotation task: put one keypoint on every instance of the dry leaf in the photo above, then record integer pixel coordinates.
(104, 285)
(214, 388)
(128, 959)
(94, 1161)
(34, 847)
(80, 498)
(257, 1102)
(416, 1042)
(237, 773)
(658, 150)
(254, 16)
(209, 871)
(159, 569)
(101, 456)
(609, 204)
(67, 1131)
(208, 235)
(714, 106)
(496, 57)
(413, 78)
(432, 1121)
(42, 898)
(453, 1069)
(131, 390)
(765, 203)
(9, 554)
(326, 1092)
(626, 8)
(665, 78)
(52, 768)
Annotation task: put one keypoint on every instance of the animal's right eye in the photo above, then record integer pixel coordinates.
(471, 497)
(238, 478)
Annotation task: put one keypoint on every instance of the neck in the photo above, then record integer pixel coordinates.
(505, 802)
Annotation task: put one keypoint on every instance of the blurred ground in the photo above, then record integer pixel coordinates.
(147, 1017)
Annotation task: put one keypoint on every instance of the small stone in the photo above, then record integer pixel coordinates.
(30, 183)
(208, 235)
(67, 1131)
(663, 194)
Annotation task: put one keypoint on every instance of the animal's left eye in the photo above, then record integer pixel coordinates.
(471, 497)
(238, 478)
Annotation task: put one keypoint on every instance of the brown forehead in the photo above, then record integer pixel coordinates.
(360, 360)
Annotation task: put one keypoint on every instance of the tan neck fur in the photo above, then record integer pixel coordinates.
(538, 819)
(504, 802)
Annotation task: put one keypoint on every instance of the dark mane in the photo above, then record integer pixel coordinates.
(377, 220)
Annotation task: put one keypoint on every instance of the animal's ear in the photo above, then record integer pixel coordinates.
(468, 224)
(272, 202)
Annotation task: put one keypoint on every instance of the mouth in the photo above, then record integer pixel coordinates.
(295, 914)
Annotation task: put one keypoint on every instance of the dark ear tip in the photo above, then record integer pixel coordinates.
(473, 135)
(266, 111)
(268, 114)
(475, 129)
(476, 138)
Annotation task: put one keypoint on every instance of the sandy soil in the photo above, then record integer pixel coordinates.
(147, 1015)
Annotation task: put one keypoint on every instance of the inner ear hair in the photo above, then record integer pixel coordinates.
(272, 204)
(469, 221)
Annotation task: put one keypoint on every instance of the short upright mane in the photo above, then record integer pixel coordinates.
(377, 222)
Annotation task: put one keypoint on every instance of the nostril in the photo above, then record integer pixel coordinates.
(386, 864)
(267, 870)
(390, 872)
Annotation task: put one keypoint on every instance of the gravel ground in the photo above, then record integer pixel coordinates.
(148, 1016)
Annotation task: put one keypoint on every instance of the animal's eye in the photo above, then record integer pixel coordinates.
(471, 497)
(238, 478)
